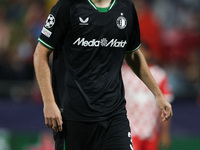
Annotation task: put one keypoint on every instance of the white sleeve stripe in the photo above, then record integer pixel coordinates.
(45, 44)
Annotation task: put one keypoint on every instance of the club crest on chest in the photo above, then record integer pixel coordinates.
(121, 22)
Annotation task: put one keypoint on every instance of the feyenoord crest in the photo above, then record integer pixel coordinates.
(121, 22)
(50, 21)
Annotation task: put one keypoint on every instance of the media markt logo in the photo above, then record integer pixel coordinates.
(97, 43)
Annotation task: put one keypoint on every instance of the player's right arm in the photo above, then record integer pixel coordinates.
(52, 114)
(52, 32)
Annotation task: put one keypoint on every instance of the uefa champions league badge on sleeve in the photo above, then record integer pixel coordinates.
(121, 22)
(50, 21)
(49, 24)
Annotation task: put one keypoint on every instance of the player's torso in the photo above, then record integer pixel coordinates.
(91, 28)
(93, 52)
(96, 40)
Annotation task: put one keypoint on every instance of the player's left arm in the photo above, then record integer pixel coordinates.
(138, 64)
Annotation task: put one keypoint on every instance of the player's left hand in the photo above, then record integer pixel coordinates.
(165, 108)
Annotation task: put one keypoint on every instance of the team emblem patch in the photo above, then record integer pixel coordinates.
(50, 21)
(121, 22)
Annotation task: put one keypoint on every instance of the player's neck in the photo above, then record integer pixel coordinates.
(102, 3)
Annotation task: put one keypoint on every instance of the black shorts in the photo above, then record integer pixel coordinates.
(112, 134)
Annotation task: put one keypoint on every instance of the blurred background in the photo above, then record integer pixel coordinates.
(170, 27)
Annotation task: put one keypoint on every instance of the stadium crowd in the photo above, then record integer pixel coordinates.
(170, 27)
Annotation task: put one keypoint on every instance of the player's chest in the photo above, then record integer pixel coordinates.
(90, 22)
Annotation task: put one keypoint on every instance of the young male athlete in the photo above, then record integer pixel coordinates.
(85, 104)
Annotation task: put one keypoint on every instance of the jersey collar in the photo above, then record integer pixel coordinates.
(95, 7)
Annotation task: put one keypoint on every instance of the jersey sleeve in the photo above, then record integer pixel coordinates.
(55, 26)
(134, 37)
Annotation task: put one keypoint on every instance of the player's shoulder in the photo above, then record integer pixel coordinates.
(66, 4)
(128, 3)
(63, 7)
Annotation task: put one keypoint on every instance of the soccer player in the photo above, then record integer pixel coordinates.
(147, 130)
(85, 104)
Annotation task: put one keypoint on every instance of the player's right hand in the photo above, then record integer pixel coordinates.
(52, 115)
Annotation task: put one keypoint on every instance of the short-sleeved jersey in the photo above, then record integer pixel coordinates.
(89, 48)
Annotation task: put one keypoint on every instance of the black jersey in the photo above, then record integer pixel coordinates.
(89, 48)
